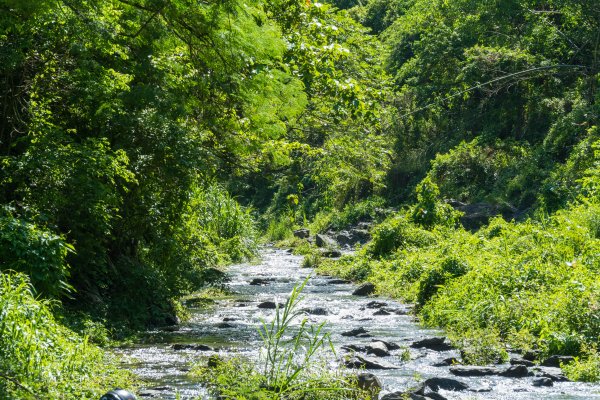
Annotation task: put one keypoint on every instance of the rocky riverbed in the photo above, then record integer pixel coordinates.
(377, 334)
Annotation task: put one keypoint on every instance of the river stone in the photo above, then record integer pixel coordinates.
(515, 371)
(316, 311)
(333, 253)
(344, 238)
(447, 362)
(389, 345)
(197, 347)
(368, 363)
(558, 377)
(355, 332)
(556, 361)
(381, 312)
(224, 325)
(369, 382)
(473, 371)
(260, 281)
(302, 233)
(337, 282)
(450, 384)
(540, 382)
(376, 304)
(521, 361)
(354, 348)
(378, 349)
(434, 343)
(324, 241)
(268, 305)
(365, 289)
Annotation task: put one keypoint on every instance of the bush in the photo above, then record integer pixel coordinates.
(394, 233)
(40, 358)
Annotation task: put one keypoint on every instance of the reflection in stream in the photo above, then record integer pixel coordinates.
(231, 327)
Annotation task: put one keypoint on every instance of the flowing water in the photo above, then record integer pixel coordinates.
(230, 327)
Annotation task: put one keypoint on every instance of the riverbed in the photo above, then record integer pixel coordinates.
(230, 326)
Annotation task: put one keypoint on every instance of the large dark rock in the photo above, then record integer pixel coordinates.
(390, 345)
(355, 332)
(331, 253)
(316, 311)
(556, 361)
(433, 343)
(378, 349)
(365, 289)
(542, 381)
(196, 347)
(446, 362)
(361, 236)
(344, 238)
(355, 348)
(267, 305)
(436, 384)
(557, 377)
(516, 371)
(369, 382)
(376, 304)
(369, 363)
(473, 371)
(302, 233)
(475, 215)
(403, 396)
(338, 281)
(324, 241)
(521, 361)
(261, 281)
(381, 312)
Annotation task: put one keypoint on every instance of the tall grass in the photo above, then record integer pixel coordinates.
(41, 359)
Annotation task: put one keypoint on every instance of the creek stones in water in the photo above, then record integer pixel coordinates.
(381, 312)
(541, 382)
(358, 362)
(196, 347)
(516, 371)
(356, 332)
(434, 343)
(474, 371)
(316, 311)
(269, 305)
(261, 281)
(365, 289)
(521, 361)
(369, 382)
(337, 282)
(378, 349)
(556, 361)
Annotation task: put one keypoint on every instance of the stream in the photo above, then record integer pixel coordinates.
(230, 327)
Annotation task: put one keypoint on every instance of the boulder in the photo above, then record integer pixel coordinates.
(224, 325)
(449, 384)
(355, 332)
(324, 241)
(369, 363)
(196, 347)
(446, 362)
(378, 349)
(261, 281)
(433, 343)
(376, 304)
(516, 371)
(316, 311)
(556, 361)
(389, 345)
(267, 305)
(361, 236)
(302, 233)
(337, 282)
(331, 253)
(542, 381)
(344, 238)
(381, 312)
(473, 371)
(365, 289)
(558, 377)
(369, 382)
(355, 348)
(521, 361)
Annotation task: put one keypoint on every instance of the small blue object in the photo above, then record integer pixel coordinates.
(118, 394)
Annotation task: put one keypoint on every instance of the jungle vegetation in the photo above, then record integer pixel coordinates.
(143, 143)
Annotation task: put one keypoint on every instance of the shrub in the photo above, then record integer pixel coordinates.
(394, 233)
(40, 358)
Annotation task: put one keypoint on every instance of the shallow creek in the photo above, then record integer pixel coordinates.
(230, 327)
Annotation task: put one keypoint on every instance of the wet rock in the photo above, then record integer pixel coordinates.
(532, 355)
(516, 371)
(344, 238)
(224, 325)
(389, 345)
(267, 305)
(381, 312)
(446, 362)
(337, 282)
(302, 233)
(376, 304)
(355, 348)
(434, 343)
(473, 371)
(378, 349)
(369, 382)
(365, 289)
(261, 281)
(333, 253)
(316, 311)
(369, 363)
(355, 332)
(556, 361)
(521, 361)
(229, 319)
(196, 347)
(347, 317)
(324, 241)
(449, 384)
(360, 236)
(557, 377)
(541, 382)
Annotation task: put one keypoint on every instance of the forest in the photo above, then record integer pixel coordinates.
(147, 144)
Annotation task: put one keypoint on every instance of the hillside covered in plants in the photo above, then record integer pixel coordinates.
(146, 144)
